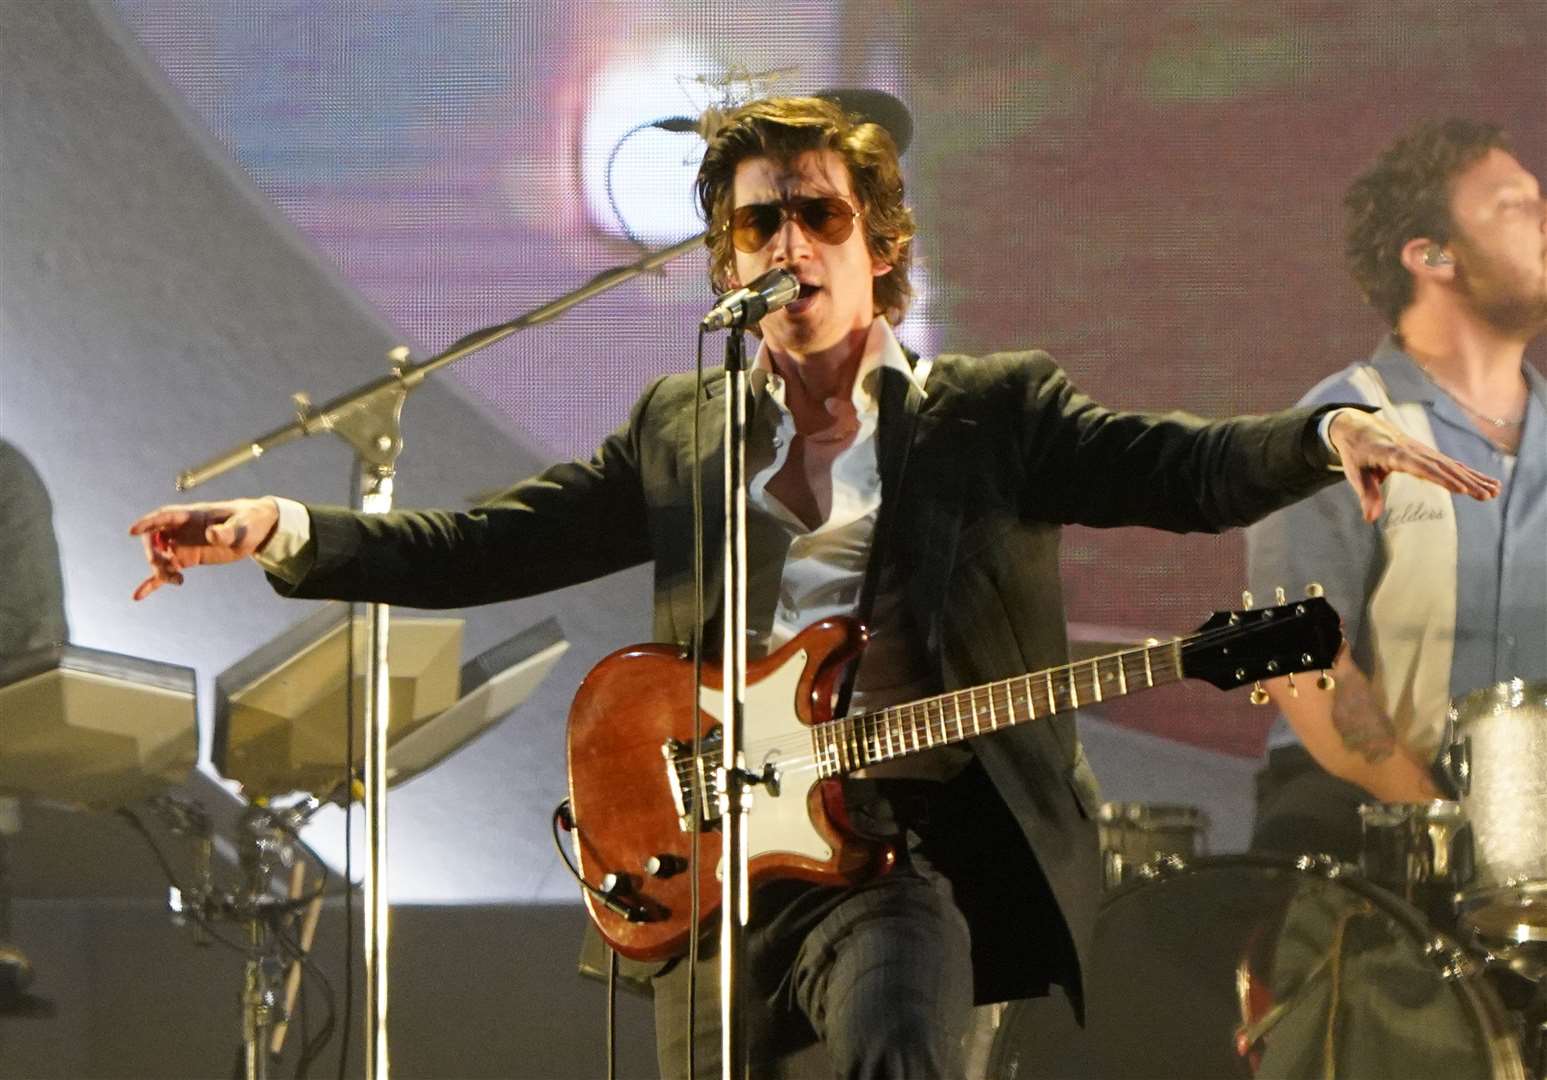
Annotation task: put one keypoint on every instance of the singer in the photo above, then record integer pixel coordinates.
(924, 494)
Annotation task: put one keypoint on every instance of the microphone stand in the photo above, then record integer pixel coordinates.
(735, 783)
(369, 419)
(734, 311)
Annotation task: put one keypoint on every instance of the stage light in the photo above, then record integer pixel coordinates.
(638, 177)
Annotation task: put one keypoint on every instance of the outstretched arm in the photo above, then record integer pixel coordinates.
(1091, 465)
(574, 522)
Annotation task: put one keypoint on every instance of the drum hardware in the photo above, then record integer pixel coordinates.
(1164, 866)
(1451, 959)
(1147, 839)
(1326, 866)
(1456, 765)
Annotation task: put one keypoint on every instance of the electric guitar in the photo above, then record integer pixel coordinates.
(635, 786)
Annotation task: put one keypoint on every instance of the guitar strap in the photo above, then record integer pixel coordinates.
(900, 404)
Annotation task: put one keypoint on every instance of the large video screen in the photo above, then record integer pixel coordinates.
(1151, 191)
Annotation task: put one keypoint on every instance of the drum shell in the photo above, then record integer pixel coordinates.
(1497, 758)
(1421, 852)
(1180, 964)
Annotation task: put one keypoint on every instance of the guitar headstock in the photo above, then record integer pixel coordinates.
(1238, 647)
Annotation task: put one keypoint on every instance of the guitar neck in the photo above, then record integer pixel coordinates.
(853, 742)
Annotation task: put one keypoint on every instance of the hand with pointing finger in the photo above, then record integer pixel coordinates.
(201, 534)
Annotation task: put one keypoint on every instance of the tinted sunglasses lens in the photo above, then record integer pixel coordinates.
(753, 226)
(830, 220)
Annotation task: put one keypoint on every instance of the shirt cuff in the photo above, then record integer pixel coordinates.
(288, 553)
(1324, 432)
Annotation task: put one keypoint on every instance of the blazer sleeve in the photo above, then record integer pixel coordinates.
(1090, 465)
(571, 523)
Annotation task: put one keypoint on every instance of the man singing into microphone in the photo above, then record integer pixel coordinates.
(953, 475)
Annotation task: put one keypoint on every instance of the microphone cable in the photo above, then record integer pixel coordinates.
(673, 124)
(696, 786)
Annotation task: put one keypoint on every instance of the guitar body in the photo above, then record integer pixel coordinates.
(637, 702)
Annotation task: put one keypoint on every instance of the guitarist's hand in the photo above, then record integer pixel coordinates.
(1372, 449)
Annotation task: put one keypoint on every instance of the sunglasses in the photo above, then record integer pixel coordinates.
(826, 218)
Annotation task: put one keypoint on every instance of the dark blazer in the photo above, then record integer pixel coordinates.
(1000, 452)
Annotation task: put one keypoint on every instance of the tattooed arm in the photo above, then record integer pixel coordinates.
(1350, 735)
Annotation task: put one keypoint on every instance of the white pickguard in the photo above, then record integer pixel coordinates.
(778, 822)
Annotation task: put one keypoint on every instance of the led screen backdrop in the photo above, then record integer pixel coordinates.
(1148, 189)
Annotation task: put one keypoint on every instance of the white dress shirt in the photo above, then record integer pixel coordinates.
(820, 570)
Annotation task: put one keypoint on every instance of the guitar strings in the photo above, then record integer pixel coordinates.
(863, 731)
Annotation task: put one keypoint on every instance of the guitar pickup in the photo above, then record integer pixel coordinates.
(681, 771)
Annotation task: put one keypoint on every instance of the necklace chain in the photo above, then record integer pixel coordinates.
(1496, 421)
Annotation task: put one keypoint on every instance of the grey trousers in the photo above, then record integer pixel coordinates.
(865, 983)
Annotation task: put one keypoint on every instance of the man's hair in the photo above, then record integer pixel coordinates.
(1404, 196)
(782, 129)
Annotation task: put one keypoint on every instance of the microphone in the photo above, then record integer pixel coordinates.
(679, 125)
(769, 292)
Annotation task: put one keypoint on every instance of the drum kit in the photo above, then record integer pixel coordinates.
(97, 731)
(1428, 959)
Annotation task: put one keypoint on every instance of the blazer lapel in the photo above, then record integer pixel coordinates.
(709, 463)
(927, 504)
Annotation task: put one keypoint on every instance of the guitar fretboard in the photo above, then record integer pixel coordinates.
(851, 743)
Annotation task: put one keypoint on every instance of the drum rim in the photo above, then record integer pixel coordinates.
(1311, 864)
(1141, 814)
(1512, 693)
(1470, 902)
(1402, 812)
(1463, 972)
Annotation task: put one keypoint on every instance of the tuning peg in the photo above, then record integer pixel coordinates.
(1278, 595)
(1314, 590)
(1259, 695)
(1325, 681)
(1293, 690)
(1246, 600)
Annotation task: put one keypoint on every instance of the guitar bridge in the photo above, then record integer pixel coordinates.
(682, 769)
